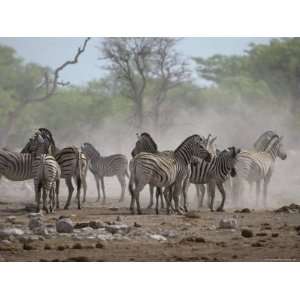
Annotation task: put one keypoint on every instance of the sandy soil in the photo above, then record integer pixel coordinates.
(275, 237)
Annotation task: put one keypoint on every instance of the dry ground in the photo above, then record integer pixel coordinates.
(274, 236)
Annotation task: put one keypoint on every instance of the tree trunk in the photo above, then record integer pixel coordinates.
(156, 119)
(139, 115)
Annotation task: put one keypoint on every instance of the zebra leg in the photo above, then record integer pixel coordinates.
(57, 193)
(45, 204)
(78, 182)
(52, 199)
(70, 191)
(176, 195)
(103, 190)
(257, 192)
(98, 188)
(201, 188)
(159, 190)
(265, 195)
(151, 189)
(122, 181)
(137, 201)
(211, 193)
(84, 185)
(38, 197)
(185, 188)
(166, 195)
(157, 201)
(223, 193)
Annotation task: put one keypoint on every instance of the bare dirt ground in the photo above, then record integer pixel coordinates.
(276, 236)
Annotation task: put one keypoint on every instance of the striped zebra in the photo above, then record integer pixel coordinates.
(210, 146)
(72, 162)
(257, 166)
(214, 173)
(145, 143)
(46, 179)
(106, 166)
(20, 166)
(164, 170)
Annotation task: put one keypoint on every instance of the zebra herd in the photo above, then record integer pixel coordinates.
(195, 161)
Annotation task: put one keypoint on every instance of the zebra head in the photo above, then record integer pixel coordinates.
(230, 157)
(90, 151)
(210, 146)
(36, 144)
(281, 153)
(144, 143)
(194, 145)
(276, 148)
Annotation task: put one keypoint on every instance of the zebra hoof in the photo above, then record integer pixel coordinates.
(220, 209)
(66, 207)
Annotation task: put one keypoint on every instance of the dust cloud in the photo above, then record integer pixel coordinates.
(239, 125)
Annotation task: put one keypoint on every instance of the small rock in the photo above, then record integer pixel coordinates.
(257, 244)
(77, 246)
(247, 233)
(11, 219)
(118, 219)
(35, 222)
(137, 224)
(81, 225)
(28, 247)
(275, 234)
(99, 245)
(120, 228)
(245, 211)
(35, 215)
(261, 234)
(193, 214)
(157, 237)
(64, 225)
(114, 208)
(96, 224)
(47, 247)
(5, 233)
(104, 237)
(61, 248)
(194, 239)
(228, 224)
(169, 233)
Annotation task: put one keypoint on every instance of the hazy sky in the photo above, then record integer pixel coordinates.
(54, 51)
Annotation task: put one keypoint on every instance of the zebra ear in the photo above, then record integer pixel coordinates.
(212, 140)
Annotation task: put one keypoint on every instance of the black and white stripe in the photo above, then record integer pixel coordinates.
(145, 143)
(215, 173)
(164, 169)
(72, 162)
(254, 167)
(46, 179)
(106, 166)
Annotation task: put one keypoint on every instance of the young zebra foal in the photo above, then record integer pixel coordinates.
(106, 166)
(46, 179)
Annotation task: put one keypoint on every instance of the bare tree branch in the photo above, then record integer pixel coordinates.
(51, 85)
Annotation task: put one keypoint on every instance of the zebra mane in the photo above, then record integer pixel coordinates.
(96, 152)
(273, 142)
(187, 139)
(149, 137)
(264, 140)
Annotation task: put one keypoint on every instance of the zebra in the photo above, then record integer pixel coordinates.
(46, 178)
(257, 166)
(145, 143)
(72, 162)
(214, 173)
(209, 143)
(20, 166)
(106, 166)
(164, 170)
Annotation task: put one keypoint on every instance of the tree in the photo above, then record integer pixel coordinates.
(169, 71)
(140, 62)
(26, 84)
